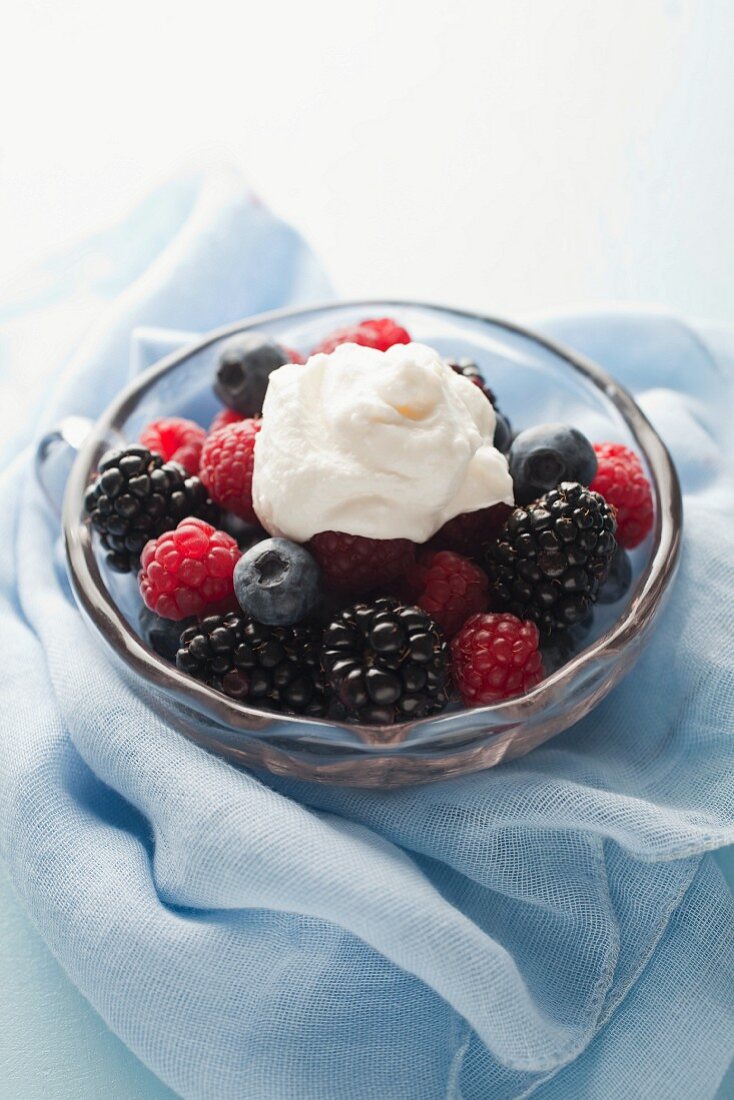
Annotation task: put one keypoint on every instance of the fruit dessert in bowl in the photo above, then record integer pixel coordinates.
(373, 543)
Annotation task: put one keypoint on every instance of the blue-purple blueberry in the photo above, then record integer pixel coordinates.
(277, 582)
(543, 456)
(619, 577)
(243, 370)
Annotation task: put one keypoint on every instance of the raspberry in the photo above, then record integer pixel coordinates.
(622, 482)
(293, 355)
(352, 563)
(175, 440)
(188, 571)
(226, 468)
(467, 533)
(450, 588)
(495, 657)
(380, 333)
(223, 418)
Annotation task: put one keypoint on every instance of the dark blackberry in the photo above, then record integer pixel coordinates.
(552, 556)
(467, 368)
(273, 667)
(386, 662)
(137, 496)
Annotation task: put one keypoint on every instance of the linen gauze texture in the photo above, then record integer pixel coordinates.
(553, 927)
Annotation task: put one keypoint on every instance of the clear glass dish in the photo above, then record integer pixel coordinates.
(536, 381)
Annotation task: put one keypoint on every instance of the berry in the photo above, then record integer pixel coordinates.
(619, 577)
(495, 657)
(544, 456)
(245, 365)
(467, 368)
(558, 648)
(386, 662)
(502, 432)
(293, 356)
(621, 481)
(468, 532)
(175, 440)
(450, 588)
(277, 582)
(135, 497)
(162, 635)
(244, 534)
(227, 464)
(223, 418)
(351, 563)
(552, 557)
(380, 333)
(189, 570)
(275, 667)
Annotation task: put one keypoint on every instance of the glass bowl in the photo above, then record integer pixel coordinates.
(536, 381)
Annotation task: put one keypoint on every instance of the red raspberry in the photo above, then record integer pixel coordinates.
(380, 333)
(293, 356)
(188, 571)
(621, 481)
(227, 463)
(352, 563)
(175, 440)
(468, 532)
(223, 418)
(450, 588)
(495, 657)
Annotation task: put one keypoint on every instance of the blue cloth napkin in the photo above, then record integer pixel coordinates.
(552, 927)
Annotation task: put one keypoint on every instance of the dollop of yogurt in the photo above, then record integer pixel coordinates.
(381, 444)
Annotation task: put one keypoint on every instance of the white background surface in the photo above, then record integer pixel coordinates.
(512, 155)
(509, 155)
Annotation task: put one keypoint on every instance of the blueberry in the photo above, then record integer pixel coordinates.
(245, 365)
(542, 457)
(162, 635)
(502, 432)
(618, 579)
(562, 645)
(277, 582)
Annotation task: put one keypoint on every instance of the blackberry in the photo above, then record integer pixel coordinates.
(552, 556)
(386, 662)
(137, 496)
(274, 667)
(467, 368)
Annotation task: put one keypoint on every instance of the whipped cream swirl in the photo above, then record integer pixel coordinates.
(382, 444)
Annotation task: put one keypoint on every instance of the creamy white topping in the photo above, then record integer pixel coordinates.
(381, 444)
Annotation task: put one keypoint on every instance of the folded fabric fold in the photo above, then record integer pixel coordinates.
(552, 927)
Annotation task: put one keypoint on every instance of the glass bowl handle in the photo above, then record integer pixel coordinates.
(55, 456)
